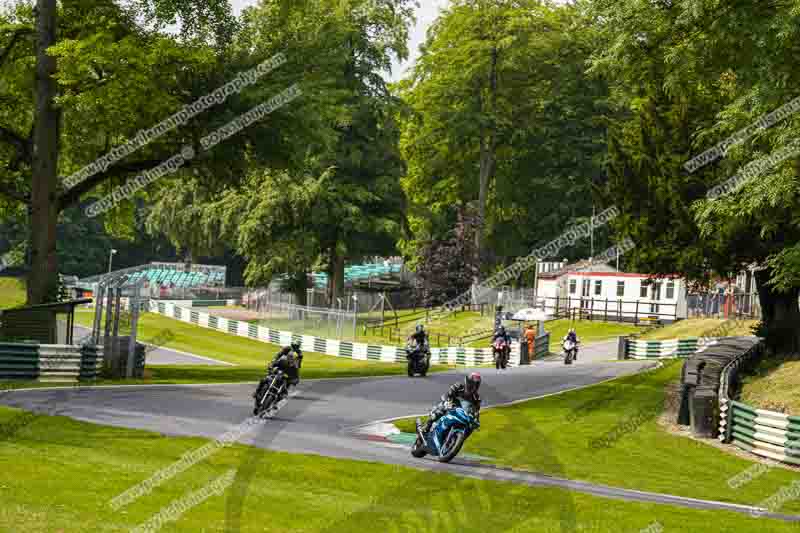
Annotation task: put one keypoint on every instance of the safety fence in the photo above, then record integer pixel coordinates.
(765, 433)
(202, 303)
(663, 349)
(454, 355)
(50, 362)
(759, 431)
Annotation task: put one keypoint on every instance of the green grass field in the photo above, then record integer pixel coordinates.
(552, 436)
(453, 326)
(251, 356)
(774, 386)
(702, 327)
(59, 475)
(12, 292)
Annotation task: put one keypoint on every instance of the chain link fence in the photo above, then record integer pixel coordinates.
(278, 310)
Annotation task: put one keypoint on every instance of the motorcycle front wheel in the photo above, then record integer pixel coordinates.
(452, 446)
(264, 405)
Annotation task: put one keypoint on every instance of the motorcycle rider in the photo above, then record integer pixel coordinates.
(289, 359)
(420, 336)
(573, 337)
(501, 333)
(468, 390)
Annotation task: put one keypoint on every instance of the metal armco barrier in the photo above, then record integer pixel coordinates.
(759, 431)
(50, 362)
(643, 349)
(453, 355)
(765, 433)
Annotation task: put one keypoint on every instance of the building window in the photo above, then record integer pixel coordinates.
(573, 286)
(620, 288)
(598, 287)
(587, 285)
(643, 290)
(670, 290)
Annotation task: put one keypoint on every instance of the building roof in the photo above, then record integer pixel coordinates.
(593, 274)
(585, 266)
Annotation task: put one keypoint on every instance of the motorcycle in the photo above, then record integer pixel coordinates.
(268, 395)
(419, 359)
(570, 351)
(448, 435)
(501, 351)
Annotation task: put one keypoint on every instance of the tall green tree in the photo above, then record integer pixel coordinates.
(502, 115)
(347, 192)
(687, 75)
(79, 78)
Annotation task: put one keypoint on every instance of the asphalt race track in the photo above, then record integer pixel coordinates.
(324, 416)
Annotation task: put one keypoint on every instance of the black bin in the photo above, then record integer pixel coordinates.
(702, 406)
(524, 353)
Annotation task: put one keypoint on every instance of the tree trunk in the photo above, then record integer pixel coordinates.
(335, 276)
(338, 278)
(300, 288)
(43, 278)
(487, 161)
(781, 315)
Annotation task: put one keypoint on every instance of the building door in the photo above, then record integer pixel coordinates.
(585, 290)
(655, 296)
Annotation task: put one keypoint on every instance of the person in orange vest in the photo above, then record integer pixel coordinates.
(530, 335)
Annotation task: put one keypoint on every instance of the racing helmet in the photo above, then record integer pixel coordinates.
(420, 328)
(472, 383)
(296, 346)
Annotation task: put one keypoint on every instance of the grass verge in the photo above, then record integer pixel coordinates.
(251, 356)
(640, 455)
(774, 385)
(12, 292)
(702, 327)
(60, 474)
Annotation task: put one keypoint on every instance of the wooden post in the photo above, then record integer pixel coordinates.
(636, 316)
(107, 330)
(98, 314)
(606, 312)
(134, 309)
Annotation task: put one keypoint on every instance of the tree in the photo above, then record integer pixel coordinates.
(503, 114)
(350, 203)
(686, 76)
(271, 219)
(448, 266)
(88, 54)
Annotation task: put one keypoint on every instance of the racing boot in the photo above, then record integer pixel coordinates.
(427, 426)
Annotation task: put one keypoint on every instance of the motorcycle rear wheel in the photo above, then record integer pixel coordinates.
(418, 449)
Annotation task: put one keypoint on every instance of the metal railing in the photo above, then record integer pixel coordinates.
(720, 305)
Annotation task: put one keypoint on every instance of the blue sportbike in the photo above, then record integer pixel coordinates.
(448, 434)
